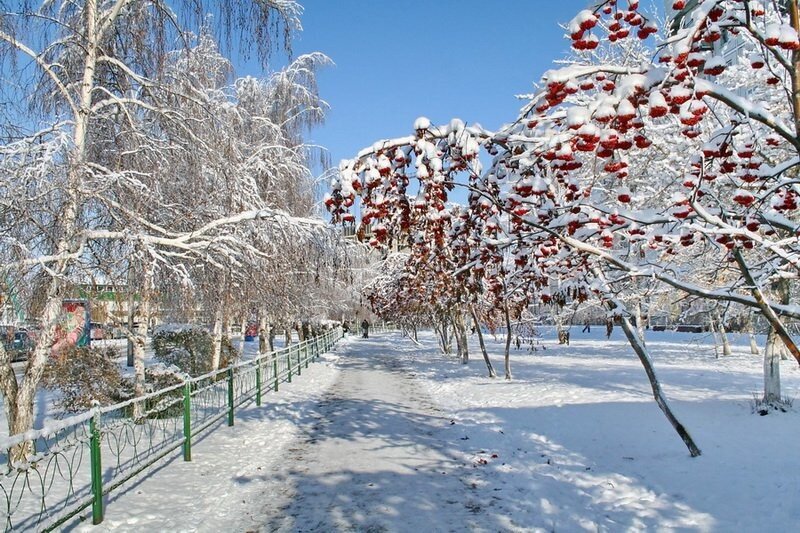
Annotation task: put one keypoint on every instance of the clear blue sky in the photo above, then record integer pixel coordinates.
(397, 60)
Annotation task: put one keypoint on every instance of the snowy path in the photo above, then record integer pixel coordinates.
(374, 458)
(386, 435)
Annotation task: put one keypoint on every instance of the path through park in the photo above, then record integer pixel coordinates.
(375, 456)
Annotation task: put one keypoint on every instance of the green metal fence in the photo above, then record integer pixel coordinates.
(80, 460)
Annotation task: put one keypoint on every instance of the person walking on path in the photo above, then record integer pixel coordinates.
(365, 329)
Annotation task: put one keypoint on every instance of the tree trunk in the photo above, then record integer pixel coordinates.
(448, 338)
(8, 386)
(21, 395)
(131, 305)
(476, 321)
(461, 335)
(560, 333)
(784, 296)
(753, 345)
(794, 20)
(288, 334)
(723, 335)
(772, 317)
(242, 333)
(20, 401)
(712, 326)
(140, 338)
(217, 338)
(658, 394)
(438, 331)
(726, 344)
(445, 342)
(139, 344)
(644, 358)
(507, 352)
(637, 315)
(452, 321)
(228, 325)
(772, 369)
(262, 330)
(265, 326)
(751, 335)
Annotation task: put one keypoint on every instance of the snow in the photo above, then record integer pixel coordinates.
(388, 435)
(422, 123)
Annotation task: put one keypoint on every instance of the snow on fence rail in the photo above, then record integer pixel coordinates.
(79, 460)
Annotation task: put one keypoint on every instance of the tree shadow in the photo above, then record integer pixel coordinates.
(401, 464)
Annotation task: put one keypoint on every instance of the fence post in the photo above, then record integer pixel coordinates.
(289, 365)
(96, 469)
(305, 353)
(230, 396)
(300, 350)
(187, 421)
(258, 383)
(275, 368)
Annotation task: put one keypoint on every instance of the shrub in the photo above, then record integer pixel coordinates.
(165, 405)
(189, 348)
(85, 377)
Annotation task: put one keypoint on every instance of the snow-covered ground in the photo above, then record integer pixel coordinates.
(385, 435)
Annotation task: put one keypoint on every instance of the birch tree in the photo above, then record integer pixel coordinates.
(95, 70)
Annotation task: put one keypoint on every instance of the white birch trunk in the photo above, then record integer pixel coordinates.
(772, 369)
(228, 326)
(637, 315)
(726, 344)
(753, 345)
(139, 344)
(20, 401)
(263, 330)
(713, 328)
(242, 332)
(217, 339)
(140, 339)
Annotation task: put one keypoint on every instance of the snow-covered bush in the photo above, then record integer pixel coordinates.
(161, 376)
(86, 377)
(189, 348)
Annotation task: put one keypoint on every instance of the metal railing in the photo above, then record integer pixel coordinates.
(77, 461)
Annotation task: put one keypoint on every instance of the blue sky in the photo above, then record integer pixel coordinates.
(397, 60)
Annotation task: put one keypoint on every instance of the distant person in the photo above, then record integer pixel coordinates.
(262, 341)
(587, 328)
(365, 329)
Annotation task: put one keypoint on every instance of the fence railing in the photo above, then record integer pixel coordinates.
(78, 461)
